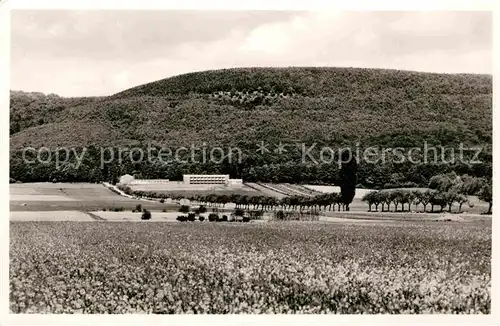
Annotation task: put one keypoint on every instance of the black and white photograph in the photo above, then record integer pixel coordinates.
(265, 162)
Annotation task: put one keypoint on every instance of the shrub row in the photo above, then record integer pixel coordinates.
(191, 217)
(296, 216)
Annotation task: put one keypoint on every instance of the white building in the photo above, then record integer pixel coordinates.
(211, 179)
(126, 179)
(190, 181)
(149, 181)
(236, 183)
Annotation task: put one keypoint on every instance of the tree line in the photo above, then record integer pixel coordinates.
(253, 167)
(327, 201)
(445, 190)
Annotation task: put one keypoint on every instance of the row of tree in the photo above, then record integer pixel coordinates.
(445, 190)
(399, 198)
(328, 201)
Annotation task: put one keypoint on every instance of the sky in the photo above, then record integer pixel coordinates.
(99, 52)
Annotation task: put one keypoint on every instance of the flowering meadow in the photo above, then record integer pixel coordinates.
(273, 267)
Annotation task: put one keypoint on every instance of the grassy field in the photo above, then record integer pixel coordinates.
(300, 267)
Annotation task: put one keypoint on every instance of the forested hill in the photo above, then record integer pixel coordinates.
(243, 106)
(31, 109)
(325, 105)
(317, 82)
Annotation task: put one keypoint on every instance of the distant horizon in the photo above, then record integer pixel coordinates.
(76, 53)
(249, 67)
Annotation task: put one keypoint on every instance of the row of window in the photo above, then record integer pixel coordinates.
(207, 179)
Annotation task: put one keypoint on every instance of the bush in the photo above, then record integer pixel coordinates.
(138, 208)
(116, 209)
(246, 219)
(239, 212)
(394, 185)
(146, 215)
(11, 180)
(212, 217)
(164, 210)
(182, 218)
(184, 209)
(202, 209)
(162, 200)
(256, 215)
(201, 218)
(391, 185)
(191, 217)
(409, 184)
(297, 216)
(54, 180)
(224, 218)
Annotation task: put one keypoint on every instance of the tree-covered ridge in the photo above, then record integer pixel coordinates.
(440, 120)
(316, 82)
(312, 105)
(32, 109)
(334, 107)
